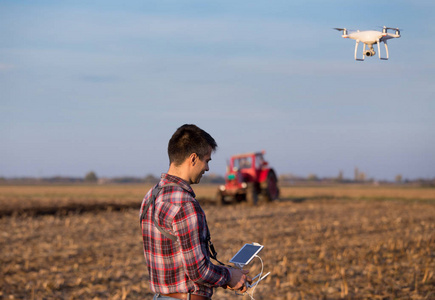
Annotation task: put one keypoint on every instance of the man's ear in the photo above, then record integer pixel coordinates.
(192, 158)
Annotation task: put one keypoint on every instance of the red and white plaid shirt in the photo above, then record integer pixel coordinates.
(182, 266)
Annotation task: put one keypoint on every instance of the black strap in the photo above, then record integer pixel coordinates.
(213, 253)
(156, 190)
(151, 201)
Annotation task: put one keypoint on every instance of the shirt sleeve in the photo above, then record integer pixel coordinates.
(190, 226)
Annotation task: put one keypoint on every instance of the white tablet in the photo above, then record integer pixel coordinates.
(246, 254)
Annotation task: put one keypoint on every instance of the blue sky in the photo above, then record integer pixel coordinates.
(102, 85)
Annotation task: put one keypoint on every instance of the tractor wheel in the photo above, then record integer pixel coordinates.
(270, 187)
(219, 198)
(239, 197)
(251, 194)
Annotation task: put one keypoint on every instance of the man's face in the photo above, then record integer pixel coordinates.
(200, 167)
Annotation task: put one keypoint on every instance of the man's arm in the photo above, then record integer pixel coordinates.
(189, 225)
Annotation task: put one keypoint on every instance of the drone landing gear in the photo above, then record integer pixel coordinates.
(365, 53)
(386, 50)
(356, 51)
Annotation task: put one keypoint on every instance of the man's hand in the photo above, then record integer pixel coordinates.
(238, 280)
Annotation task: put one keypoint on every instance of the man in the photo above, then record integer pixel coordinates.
(174, 228)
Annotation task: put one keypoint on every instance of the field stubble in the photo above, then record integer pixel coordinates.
(317, 245)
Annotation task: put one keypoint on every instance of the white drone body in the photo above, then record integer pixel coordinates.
(369, 38)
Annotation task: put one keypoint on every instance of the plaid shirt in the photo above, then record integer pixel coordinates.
(182, 266)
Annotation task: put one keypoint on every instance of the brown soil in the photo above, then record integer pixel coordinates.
(314, 248)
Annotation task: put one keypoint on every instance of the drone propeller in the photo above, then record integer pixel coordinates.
(345, 29)
(390, 28)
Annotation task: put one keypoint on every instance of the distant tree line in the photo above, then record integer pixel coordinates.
(284, 179)
(92, 178)
(359, 177)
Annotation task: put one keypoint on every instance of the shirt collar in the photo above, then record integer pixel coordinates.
(166, 178)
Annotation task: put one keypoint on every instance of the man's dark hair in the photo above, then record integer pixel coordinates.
(189, 139)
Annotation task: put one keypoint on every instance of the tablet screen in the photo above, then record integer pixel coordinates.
(245, 255)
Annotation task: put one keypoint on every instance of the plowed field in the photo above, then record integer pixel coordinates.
(84, 242)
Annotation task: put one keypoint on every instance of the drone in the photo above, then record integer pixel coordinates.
(369, 38)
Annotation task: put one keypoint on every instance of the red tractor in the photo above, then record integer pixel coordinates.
(248, 178)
